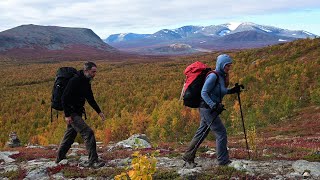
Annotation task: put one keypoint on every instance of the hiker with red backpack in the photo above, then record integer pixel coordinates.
(77, 91)
(210, 106)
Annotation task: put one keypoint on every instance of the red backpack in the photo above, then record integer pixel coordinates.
(196, 74)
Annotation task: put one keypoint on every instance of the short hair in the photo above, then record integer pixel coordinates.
(89, 65)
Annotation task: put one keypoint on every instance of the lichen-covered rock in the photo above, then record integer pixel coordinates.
(137, 141)
(13, 140)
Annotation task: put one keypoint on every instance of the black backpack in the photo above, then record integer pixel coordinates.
(63, 75)
(196, 74)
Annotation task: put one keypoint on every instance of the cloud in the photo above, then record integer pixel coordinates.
(115, 16)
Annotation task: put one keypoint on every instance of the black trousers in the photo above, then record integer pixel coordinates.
(78, 126)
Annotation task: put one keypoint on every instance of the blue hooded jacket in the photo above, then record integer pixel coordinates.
(212, 92)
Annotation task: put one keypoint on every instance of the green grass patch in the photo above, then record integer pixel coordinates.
(166, 174)
(312, 157)
(222, 172)
(174, 155)
(76, 172)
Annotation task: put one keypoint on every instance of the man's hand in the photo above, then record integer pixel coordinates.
(102, 116)
(68, 120)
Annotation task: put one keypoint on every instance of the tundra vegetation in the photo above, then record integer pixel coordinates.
(280, 82)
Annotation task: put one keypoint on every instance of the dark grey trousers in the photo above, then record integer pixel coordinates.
(78, 126)
(220, 133)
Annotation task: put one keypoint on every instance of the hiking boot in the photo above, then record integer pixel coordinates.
(190, 165)
(96, 164)
(58, 159)
(225, 163)
(185, 159)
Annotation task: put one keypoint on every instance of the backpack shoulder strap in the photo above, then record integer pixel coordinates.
(217, 80)
(215, 72)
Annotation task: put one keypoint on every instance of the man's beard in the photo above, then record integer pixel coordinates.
(89, 77)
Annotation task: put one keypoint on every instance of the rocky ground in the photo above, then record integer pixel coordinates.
(290, 150)
(37, 162)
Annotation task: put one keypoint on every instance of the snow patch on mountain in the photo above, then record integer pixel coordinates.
(310, 34)
(121, 36)
(233, 25)
(165, 31)
(224, 32)
(266, 30)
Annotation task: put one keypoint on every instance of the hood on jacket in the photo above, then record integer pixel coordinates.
(222, 61)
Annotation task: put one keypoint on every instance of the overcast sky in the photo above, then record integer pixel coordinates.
(106, 17)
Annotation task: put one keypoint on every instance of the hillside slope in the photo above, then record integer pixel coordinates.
(53, 42)
(279, 81)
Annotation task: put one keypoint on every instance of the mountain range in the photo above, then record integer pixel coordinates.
(35, 42)
(205, 38)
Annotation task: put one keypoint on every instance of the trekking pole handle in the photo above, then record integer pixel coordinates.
(239, 85)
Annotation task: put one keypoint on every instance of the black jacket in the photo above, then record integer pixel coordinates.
(76, 92)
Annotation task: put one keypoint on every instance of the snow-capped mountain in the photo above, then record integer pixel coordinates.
(188, 31)
(214, 37)
(165, 34)
(125, 37)
(273, 30)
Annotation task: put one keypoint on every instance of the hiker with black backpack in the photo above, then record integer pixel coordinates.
(210, 106)
(77, 91)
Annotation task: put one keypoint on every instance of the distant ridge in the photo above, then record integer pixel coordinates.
(53, 42)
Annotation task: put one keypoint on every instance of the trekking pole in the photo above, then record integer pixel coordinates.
(244, 129)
